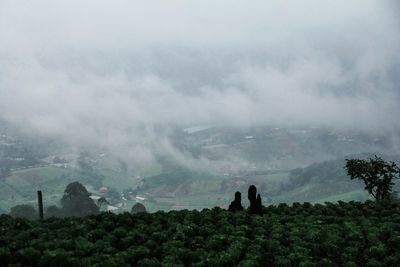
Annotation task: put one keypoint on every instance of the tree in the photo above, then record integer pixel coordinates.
(77, 202)
(376, 174)
(138, 207)
(26, 211)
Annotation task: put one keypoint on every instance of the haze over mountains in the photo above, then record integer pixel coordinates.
(213, 162)
(220, 87)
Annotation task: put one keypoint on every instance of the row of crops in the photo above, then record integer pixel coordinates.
(343, 234)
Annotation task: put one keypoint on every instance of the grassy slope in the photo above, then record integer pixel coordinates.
(164, 191)
(180, 187)
(22, 186)
(352, 195)
(118, 180)
(314, 193)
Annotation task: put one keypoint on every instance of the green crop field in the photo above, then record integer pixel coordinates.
(342, 234)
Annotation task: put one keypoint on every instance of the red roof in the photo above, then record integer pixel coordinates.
(103, 189)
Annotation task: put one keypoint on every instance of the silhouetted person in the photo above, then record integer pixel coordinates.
(236, 205)
(258, 206)
(255, 202)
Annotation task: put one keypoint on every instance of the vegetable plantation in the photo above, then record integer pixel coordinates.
(342, 234)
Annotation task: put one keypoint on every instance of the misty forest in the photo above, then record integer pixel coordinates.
(199, 133)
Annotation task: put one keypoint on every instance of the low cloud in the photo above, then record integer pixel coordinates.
(111, 73)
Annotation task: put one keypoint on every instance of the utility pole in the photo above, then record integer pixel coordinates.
(40, 203)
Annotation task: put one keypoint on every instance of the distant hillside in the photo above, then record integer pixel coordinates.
(319, 182)
(175, 177)
(286, 164)
(326, 181)
(274, 148)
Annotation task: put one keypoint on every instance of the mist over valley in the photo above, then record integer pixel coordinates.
(178, 105)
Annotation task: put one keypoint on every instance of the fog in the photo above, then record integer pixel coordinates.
(113, 72)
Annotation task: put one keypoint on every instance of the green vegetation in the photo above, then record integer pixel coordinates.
(138, 207)
(24, 211)
(77, 202)
(21, 186)
(376, 174)
(197, 189)
(37, 176)
(177, 176)
(348, 196)
(325, 172)
(343, 234)
(118, 180)
(152, 170)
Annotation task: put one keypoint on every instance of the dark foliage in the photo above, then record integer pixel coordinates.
(77, 202)
(53, 211)
(376, 174)
(24, 211)
(323, 172)
(138, 207)
(343, 234)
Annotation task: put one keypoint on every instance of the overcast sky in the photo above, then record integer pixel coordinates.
(112, 70)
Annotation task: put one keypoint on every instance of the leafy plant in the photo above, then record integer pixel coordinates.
(25, 211)
(77, 202)
(342, 234)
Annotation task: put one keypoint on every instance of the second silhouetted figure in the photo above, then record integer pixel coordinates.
(255, 201)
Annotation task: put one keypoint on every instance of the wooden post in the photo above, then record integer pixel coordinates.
(40, 203)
